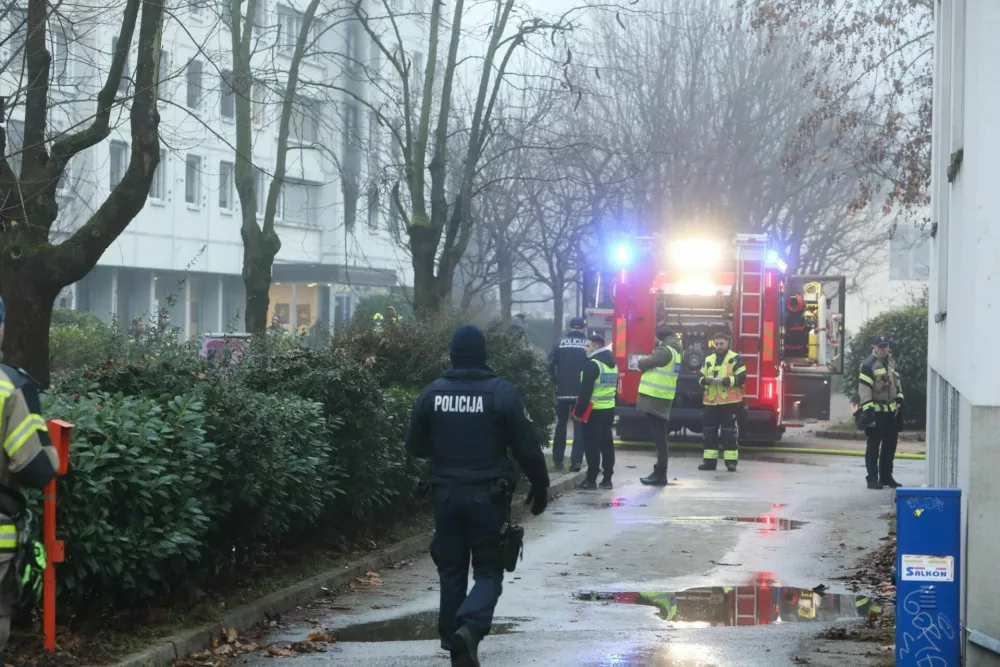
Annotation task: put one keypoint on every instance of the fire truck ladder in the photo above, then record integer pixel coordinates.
(745, 596)
(751, 309)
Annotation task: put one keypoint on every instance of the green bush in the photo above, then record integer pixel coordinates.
(379, 303)
(134, 506)
(906, 330)
(79, 339)
(415, 353)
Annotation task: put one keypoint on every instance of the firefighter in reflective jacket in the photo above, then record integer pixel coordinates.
(881, 402)
(722, 375)
(657, 389)
(29, 460)
(379, 318)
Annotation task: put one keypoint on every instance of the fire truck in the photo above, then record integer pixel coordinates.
(788, 328)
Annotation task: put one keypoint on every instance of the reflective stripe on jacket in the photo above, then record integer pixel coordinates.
(878, 384)
(723, 395)
(605, 388)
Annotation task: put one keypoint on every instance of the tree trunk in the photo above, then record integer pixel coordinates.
(29, 295)
(505, 278)
(259, 250)
(427, 299)
(558, 306)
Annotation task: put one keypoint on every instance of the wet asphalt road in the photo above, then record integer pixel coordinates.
(682, 539)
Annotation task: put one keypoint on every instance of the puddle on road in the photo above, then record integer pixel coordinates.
(723, 606)
(617, 502)
(422, 626)
(768, 522)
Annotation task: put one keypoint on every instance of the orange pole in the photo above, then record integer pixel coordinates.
(59, 432)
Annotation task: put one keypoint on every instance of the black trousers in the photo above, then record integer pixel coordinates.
(881, 450)
(563, 408)
(718, 427)
(599, 443)
(658, 429)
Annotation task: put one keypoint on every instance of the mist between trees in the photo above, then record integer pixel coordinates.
(493, 143)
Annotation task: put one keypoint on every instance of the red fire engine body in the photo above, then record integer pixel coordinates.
(773, 319)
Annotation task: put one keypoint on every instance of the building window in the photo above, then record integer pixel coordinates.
(158, 188)
(350, 191)
(289, 27)
(226, 186)
(418, 71)
(376, 56)
(15, 144)
(164, 76)
(305, 121)
(192, 179)
(373, 201)
(227, 104)
(119, 162)
(18, 20)
(262, 185)
(352, 39)
(126, 75)
(257, 91)
(59, 48)
(299, 203)
(194, 84)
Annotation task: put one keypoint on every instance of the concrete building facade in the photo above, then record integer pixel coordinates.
(183, 253)
(963, 430)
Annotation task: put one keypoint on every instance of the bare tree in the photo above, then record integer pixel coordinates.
(439, 227)
(882, 51)
(718, 123)
(33, 270)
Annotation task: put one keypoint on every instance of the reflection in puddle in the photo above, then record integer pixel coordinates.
(755, 604)
(767, 522)
(415, 627)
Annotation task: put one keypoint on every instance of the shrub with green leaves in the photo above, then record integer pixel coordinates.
(906, 330)
(134, 508)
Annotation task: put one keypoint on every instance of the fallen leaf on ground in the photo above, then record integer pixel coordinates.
(320, 637)
(588, 554)
(563, 574)
(230, 635)
(307, 647)
(280, 652)
(225, 649)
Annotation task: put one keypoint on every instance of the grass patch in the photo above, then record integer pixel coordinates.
(103, 640)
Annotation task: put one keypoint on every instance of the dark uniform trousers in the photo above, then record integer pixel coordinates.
(599, 443)
(563, 409)
(467, 526)
(718, 423)
(879, 460)
(659, 428)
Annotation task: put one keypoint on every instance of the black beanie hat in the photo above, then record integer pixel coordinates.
(468, 348)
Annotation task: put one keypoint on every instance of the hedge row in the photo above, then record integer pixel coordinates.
(182, 470)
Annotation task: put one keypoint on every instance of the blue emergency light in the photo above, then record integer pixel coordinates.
(773, 258)
(622, 255)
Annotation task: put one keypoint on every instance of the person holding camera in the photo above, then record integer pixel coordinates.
(723, 375)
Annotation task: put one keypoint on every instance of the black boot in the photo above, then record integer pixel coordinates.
(586, 485)
(464, 649)
(873, 483)
(890, 482)
(658, 478)
(606, 483)
(576, 467)
(558, 466)
(707, 466)
(731, 466)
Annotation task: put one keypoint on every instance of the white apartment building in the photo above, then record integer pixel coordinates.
(963, 430)
(183, 253)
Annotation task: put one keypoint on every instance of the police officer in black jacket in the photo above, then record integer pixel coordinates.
(464, 422)
(566, 362)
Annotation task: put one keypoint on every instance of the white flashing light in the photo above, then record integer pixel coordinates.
(696, 253)
(696, 287)
(623, 255)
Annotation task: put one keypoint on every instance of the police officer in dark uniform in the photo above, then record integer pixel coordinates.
(464, 422)
(566, 363)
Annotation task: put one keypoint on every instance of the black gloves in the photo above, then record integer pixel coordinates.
(538, 499)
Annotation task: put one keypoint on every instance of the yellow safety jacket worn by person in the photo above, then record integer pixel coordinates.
(28, 460)
(878, 385)
(606, 386)
(661, 381)
(598, 383)
(733, 370)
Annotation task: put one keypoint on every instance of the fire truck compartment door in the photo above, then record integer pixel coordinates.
(812, 320)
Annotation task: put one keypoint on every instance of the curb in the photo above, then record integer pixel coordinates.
(638, 446)
(179, 646)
